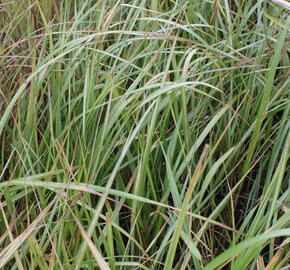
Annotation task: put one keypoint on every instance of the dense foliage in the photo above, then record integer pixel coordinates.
(144, 134)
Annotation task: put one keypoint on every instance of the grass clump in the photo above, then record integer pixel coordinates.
(144, 135)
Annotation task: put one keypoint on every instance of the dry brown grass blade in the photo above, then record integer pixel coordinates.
(260, 263)
(215, 10)
(12, 224)
(17, 257)
(274, 260)
(8, 251)
(97, 255)
(285, 259)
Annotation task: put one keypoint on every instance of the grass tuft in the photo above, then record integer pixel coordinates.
(144, 134)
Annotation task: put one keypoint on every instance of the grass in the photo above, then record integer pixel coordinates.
(144, 134)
